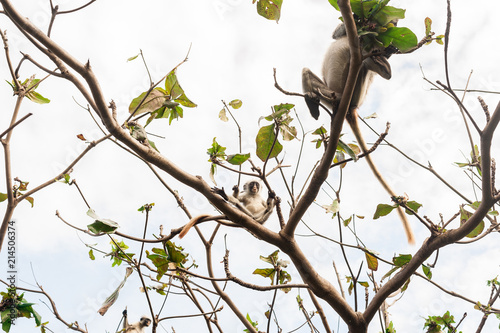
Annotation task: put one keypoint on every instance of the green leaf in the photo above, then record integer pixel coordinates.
(323, 136)
(386, 14)
(36, 97)
(347, 221)
(254, 324)
(101, 225)
(390, 328)
(91, 254)
(475, 206)
(320, 131)
(160, 260)
(364, 284)
(153, 101)
(213, 171)
(413, 205)
(462, 165)
(216, 151)
(133, 57)
(401, 260)
(383, 210)
(372, 261)
(236, 103)
(464, 216)
(176, 254)
(265, 140)
(402, 38)
(238, 159)
(265, 272)
(169, 111)
(389, 273)
(173, 88)
(270, 9)
(405, 286)
(146, 207)
(427, 271)
(152, 144)
(3, 196)
(334, 4)
(272, 258)
(347, 149)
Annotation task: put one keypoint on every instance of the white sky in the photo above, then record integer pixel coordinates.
(232, 56)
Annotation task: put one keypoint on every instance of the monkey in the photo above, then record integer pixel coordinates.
(249, 201)
(329, 91)
(136, 327)
(253, 203)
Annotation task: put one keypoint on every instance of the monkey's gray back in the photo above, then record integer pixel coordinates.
(336, 68)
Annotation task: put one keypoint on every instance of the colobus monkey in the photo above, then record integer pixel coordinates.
(329, 91)
(249, 201)
(335, 70)
(136, 327)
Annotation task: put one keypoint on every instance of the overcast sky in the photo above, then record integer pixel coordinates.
(233, 53)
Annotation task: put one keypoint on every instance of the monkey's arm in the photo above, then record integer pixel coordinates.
(352, 119)
(125, 320)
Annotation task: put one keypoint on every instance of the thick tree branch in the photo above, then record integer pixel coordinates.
(321, 172)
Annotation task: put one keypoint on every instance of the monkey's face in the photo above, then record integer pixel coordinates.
(145, 322)
(254, 187)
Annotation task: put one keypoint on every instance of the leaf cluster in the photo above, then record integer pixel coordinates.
(28, 87)
(436, 324)
(171, 256)
(12, 306)
(276, 273)
(162, 102)
(375, 22)
(18, 190)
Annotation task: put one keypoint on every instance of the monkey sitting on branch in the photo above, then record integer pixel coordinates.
(329, 91)
(135, 327)
(249, 201)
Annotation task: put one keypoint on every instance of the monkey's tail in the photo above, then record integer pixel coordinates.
(191, 223)
(400, 210)
(353, 122)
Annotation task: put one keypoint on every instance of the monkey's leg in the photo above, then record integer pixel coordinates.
(352, 119)
(315, 91)
(269, 204)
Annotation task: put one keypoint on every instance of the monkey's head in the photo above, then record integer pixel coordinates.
(145, 321)
(252, 187)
